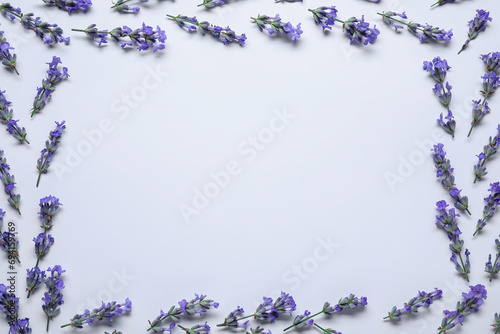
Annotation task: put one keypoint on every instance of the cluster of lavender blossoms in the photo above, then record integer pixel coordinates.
(423, 32)
(350, 302)
(490, 205)
(476, 25)
(49, 33)
(491, 81)
(70, 5)
(275, 25)
(198, 305)
(8, 241)
(494, 267)
(107, 311)
(488, 151)
(9, 183)
(258, 330)
(422, 299)
(225, 35)
(445, 174)
(9, 305)
(447, 220)
(266, 311)
(196, 329)
(212, 3)
(143, 38)
(470, 303)
(438, 68)
(54, 76)
(50, 149)
(324, 16)
(121, 6)
(8, 60)
(53, 298)
(6, 115)
(359, 31)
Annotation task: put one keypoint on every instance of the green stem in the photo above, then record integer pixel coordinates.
(324, 330)
(65, 325)
(38, 180)
(339, 21)
(436, 3)
(85, 31)
(248, 316)
(118, 4)
(48, 319)
(204, 3)
(459, 311)
(301, 321)
(9, 11)
(463, 266)
(496, 260)
(467, 209)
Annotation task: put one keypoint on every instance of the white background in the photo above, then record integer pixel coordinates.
(359, 114)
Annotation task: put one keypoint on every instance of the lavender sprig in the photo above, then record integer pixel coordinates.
(20, 326)
(447, 220)
(70, 5)
(49, 33)
(49, 206)
(488, 151)
(6, 115)
(50, 149)
(258, 330)
(54, 76)
(423, 32)
(35, 276)
(324, 16)
(121, 6)
(490, 83)
(491, 203)
(53, 297)
(494, 268)
(212, 3)
(107, 311)
(359, 31)
(350, 302)
(7, 59)
(196, 329)
(144, 38)
(9, 183)
(497, 323)
(225, 35)
(422, 299)
(477, 25)
(275, 25)
(34, 279)
(445, 174)
(331, 330)
(471, 302)
(198, 305)
(438, 69)
(10, 244)
(9, 304)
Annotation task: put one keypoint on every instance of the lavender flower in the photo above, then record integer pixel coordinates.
(330, 330)
(274, 25)
(196, 329)
(9, 183)
(7, 59)
(9, 303)
(49, 33)
(54, 76)
(447, 220)
(225, 35)
(477, 25)
(53, 297)
(488, 151)
(212, 3)
(50, 149)
(298, 320)
(34, 278)
(422, 299)
(20, 326)
(198, 305)
(121, 6)
(43, 242)
(494, 268)
(359, 31)
(232, 320)
(144, 38)
(491, 61)
(423, 32)
(324, 16)
(497, 323)
(106, 311)
(471, 302)
(49, 206)
(6, 118)
(71, 5)
(491, 203)
(437, 68)
(10, 245)
(258, 330)
(351, 302)
(445, 174)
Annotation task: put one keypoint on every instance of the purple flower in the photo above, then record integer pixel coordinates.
(232, 319)
(6, 118)
(7, 59)
(34, 278)
(258, 330)
(389, 18)
(49, 206)
(490, 84)
(423, 32)
(437, 68)
(54, 76)
(107, 311)
(196, 329)
(53, 298)
(324, 16)
(20, 326)
(359, 31)
(494, 267)
(71, 5)
(121, 6)
(225, 35)
(448, 124)
(9, 183)
(488, 151)
(444, 95)
(50, 149)
(212, 3)
(10, 244)
(9, 303)
(477, 25)
(43, 242)
(422, 299)
(275, 24)
(303, 320)
(491, 203)
(491, 61)
(10, 11)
